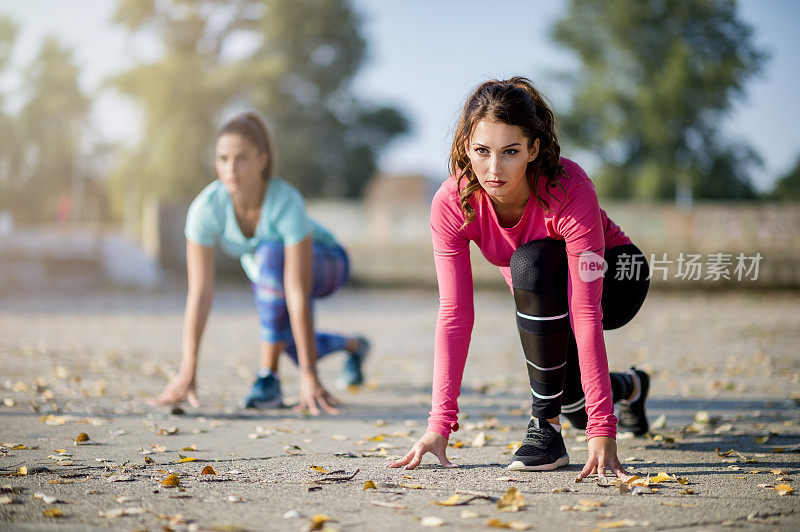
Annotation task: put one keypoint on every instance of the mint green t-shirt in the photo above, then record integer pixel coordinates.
(283, 218)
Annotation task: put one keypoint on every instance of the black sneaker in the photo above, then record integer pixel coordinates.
(542, 449)
(265, 393)
(632, 416)
(352, 374)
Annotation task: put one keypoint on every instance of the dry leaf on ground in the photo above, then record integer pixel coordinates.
(317, 521)
(369, 485)
(53, 512)
(171, 481)
(453, 500)
(182, 458)
(208, 470)
(512, 525)
(511, 501)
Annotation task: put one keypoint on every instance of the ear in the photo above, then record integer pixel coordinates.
(264, 160)
(534, 151)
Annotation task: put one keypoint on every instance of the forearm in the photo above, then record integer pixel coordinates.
(301, 321)
(198, 306)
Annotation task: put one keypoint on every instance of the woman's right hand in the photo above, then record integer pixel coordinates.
(181, 388)
(430, 442)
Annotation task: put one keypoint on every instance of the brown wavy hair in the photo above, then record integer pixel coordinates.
(515, 102)
(251, 126)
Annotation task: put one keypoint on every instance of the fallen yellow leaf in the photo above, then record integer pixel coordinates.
(318, 521)
(511, 501)
(53, 512)
(512, 525)
(182, 458)
(208, 470)
(171, 481)
(761, 440)
(458, 444)
(82, 437)
(784, 489)
(453, 500)
(661, 477)
(318, 469)
(379, 437)
(148, 460)
(21, 471)
(682, 480)
(190, 448)
(411, 486)
(369, 485)
(617, 524)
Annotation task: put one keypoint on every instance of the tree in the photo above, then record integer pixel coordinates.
(788, 187)
(50, 126)
(656, 78)
(297, 72)
(181, 94)
(9, 139)
(299, 75)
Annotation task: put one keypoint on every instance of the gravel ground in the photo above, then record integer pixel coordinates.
(725, 375)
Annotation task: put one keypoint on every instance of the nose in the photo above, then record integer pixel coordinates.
(494, 165)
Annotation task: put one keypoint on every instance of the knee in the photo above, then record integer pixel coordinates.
(577, 419)
(269, 260)
(540, 266)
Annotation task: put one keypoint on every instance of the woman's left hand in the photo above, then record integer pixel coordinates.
(312, 393)
(602, 454)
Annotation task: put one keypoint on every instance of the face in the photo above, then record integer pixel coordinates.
(499, 154)
(239, 164)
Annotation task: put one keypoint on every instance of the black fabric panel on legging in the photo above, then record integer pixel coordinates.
(622, 299)
(539, 276)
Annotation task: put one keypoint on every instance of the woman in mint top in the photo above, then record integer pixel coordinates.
(288, 257)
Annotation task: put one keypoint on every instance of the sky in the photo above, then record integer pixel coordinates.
(425, 58)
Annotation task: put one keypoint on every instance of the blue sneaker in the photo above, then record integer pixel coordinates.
(351, 371)
(265, 393)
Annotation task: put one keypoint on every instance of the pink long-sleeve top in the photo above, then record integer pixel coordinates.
(575, 216)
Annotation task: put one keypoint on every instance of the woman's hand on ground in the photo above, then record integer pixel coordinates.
(430, 442)
(602, 455)
(312, 393)
(181, 388)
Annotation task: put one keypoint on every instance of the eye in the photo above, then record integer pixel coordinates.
(481, 150)
(511, 151)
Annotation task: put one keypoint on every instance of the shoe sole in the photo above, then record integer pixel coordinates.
(276, 403)
(517, 465)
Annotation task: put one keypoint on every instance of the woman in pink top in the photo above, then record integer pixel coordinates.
(536, 216)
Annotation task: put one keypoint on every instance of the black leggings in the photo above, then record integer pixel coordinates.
(539, 276)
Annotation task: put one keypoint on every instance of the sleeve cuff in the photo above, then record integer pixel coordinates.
(443, 427)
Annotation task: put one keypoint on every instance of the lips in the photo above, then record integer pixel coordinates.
(495, 183)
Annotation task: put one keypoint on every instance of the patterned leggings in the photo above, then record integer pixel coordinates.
(330, 270)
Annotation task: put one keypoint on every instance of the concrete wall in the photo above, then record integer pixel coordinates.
(390, 243)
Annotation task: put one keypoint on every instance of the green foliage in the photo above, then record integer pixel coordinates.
(180, 95)
(657, 76)
(49, 132)
(297, 73)
(9, 141)
(788, 187)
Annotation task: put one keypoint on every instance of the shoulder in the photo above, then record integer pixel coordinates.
(283, 193)
(574, 177)
(446, 201)
(211, 199)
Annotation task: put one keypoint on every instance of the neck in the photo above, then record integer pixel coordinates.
(251, 198)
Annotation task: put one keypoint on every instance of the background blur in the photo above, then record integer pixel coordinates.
(684, 113)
